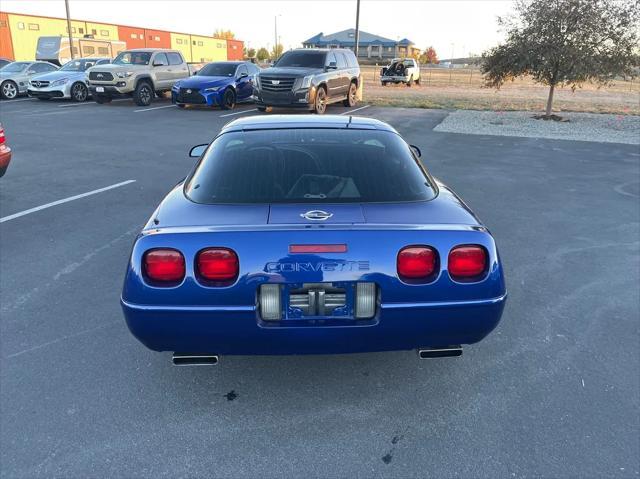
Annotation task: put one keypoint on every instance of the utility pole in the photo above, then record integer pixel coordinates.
(275, 48)
(357, 26)
(66, 5)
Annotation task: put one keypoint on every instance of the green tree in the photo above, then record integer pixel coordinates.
(275, 54)
(226, 34)
(251, 53)
(262, 54)
(565, 42)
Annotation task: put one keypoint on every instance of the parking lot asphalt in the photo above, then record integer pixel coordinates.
(553, 392)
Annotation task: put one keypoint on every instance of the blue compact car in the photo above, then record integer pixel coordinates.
(311, 235)
(220, 84)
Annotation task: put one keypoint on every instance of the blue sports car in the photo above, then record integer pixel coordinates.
(217, 84)
(311, 235)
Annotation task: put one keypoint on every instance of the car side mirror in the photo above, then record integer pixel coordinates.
(416, 150)
(197, 151)
(332, 66)
(31, 72)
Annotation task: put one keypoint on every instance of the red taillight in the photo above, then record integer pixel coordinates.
(1, 135)
(164, 265)
(467, 262)
(417, 262)
(217, 264)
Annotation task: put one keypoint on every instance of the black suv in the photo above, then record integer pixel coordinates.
(310, 78)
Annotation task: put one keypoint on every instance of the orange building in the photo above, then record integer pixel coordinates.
(19, 36)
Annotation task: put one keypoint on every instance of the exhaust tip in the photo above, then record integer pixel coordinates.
(195, 359)
(449, 352)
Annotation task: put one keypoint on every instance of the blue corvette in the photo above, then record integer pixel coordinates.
(311, 235)
(217, 84)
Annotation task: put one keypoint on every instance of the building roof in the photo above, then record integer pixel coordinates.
(348, 37)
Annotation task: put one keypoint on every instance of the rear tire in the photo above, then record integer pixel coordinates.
(8, 90)
(410, 81)
(79, 92)
(102, 99)
(228, 99)
(320, 105)
(352, 96)
(418, 81)
(143, 94)
(262, 108)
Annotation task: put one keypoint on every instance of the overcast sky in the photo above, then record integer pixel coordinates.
(470, 25)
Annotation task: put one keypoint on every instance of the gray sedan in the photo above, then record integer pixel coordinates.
(14, 77)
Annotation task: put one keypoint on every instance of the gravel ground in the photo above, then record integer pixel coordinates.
(580, 127)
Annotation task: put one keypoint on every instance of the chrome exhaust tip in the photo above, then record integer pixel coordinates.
(194, 359)
(448, 352)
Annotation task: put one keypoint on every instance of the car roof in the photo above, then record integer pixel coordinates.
(284, 122)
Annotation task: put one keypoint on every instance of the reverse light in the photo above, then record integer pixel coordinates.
(467, 262)
(270, 303)
(365, 300)
(164, 265)
(217, 264)
(417, 262)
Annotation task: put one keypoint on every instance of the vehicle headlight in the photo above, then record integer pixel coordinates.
(124, 74)
(176, 86)
(213, 88)
(306, 82)
(62, 81)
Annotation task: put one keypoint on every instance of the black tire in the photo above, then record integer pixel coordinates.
(160, 94)
(384, 83)
(352, 96)
(9, 90)
(410, 81)
(320, 104)
(102, 99)
(228, 99)
(262, 108)
(143, 94)
(417, 82)
(180, 105)
(79, 92)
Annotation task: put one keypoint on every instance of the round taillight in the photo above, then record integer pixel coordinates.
(467, 262)
(417, 262)
(164, 265)
(217, 264)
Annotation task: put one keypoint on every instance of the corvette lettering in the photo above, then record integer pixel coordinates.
(323, 266)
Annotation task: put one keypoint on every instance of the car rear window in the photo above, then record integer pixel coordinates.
(308, 166)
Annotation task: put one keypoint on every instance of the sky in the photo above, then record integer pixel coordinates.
(460, 26)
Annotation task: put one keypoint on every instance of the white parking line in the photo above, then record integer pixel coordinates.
(90, 102)
(238, 112)
(65, 200)
(19, 99)
(351, 111)
(154, 108)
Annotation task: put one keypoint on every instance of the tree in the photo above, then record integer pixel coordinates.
(251, 53)
(565, 42)
(275, 54)
(262, 55)
(429, 56)
(226, 34)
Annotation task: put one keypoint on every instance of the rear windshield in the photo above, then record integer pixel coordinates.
(308, 166)
(218, 70)
(302, 59)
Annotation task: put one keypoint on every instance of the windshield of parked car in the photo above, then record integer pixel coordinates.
(218, 70)
(302, 59)
(308, 166)
(14, 67)
(77, 65)
(133, 58)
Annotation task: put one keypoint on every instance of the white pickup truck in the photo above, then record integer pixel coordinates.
(401, 70)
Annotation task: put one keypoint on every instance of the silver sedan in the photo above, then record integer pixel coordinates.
(14, 77)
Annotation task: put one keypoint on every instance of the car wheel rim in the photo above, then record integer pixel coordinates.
(352, 95)
(79, 93)
(321, 102)
(145, 95)
(229, 98)
(9, 90)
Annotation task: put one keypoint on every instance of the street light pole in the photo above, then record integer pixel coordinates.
(66, 5)
(357, 26)
(275, 48)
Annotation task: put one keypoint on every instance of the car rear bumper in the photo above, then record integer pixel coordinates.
(5, 158)
(239, 331)
(394, 79)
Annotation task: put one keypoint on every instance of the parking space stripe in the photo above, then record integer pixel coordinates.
(19, 99)
(154, 108)
(239, 112)
(65, 200)
(356, 109)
